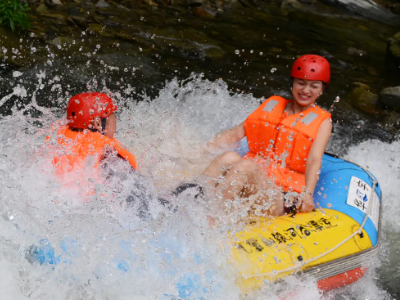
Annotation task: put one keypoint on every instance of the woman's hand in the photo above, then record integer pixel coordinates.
(226, 138)
(306, 203)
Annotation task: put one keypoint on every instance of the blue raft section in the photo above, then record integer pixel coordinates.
(333, 187)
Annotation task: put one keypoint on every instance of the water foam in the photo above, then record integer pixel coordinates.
(105, 251)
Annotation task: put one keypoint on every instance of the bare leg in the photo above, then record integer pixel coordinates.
(267, 197)
(245, 179)
(222, 163)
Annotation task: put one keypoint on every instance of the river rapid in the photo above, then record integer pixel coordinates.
(107, 252)
(169, 107)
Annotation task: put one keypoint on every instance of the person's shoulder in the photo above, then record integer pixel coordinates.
(322, 109)
(326, 126)
(276, 97)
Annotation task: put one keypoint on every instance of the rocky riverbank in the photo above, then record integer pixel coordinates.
(250, 44)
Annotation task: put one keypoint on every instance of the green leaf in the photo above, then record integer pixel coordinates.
(13, 14)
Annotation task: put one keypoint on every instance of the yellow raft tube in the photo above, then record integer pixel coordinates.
(331, 243)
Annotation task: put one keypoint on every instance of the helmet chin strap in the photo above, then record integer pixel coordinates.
(103, 125)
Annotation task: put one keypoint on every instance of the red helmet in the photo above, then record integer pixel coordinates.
(312, 67)
(83, 108)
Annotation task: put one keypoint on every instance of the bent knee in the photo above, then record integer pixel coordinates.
(246, 166)
(229, 158)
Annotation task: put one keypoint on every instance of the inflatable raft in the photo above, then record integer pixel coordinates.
(332, 243)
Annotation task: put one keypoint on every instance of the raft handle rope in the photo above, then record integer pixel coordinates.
(358, 231)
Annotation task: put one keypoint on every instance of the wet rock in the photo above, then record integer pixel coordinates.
(108, 12)
(125, 36)
(61, 41)
(246, 3)
(58, 18)
(194, 3)
(390, 98)
(42, 9)
(100, 30)
(33, 2)
(372, 71)
(151, 3)
(204, 12)
(74, 11)
(355, 51)
(80, 22)
(368, 9)
(395, 8)
(308, 2)
(110, 23)
(393, 48)
(38, 30)
(392, 121)
(214, 53)
(102, 4)
(363, 99)
(86, 3)
(291, 4)
(53, 3)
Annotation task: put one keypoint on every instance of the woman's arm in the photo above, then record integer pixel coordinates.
(228, 137)
(314, 161)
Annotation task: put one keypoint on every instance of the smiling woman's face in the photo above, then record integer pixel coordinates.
(305, 92)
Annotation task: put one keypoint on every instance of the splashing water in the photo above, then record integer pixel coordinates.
(104, 250)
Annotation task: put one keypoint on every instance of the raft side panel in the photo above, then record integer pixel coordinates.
(333, 188)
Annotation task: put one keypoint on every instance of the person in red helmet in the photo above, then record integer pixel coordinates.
(91, 164)
(90, 129)
(286, 140)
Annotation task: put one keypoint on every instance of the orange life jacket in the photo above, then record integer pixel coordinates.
(286, 140)
(81, 152)
(78, 145)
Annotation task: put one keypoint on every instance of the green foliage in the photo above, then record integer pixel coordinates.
(13, 14)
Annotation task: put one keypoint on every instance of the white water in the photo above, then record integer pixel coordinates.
(162, 255)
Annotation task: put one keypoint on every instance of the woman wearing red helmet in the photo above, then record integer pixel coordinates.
(89, 132)
(84, 147)
(93, 111)
(286, 139)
